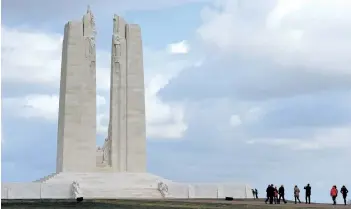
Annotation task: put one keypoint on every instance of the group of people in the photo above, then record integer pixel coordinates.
(275, 195)
(308, 189)
(255, 193)
(334, 193)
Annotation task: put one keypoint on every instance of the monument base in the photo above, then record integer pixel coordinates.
(109, 185)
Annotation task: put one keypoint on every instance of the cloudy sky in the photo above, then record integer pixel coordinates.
(254, 91)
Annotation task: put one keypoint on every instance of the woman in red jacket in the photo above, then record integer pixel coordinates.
(334, 194)
(275, 195)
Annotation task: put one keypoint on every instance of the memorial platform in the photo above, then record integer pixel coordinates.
(120, 186)
(118, 169)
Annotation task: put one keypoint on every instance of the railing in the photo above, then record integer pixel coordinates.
(216, 191)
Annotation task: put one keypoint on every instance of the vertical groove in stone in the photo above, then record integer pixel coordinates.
(117, 95)
(127, 105)
(126, 98)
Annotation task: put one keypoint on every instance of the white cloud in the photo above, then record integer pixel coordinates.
(181, 47)
(34, 57)
(253, 115)
(36, 105)
(323, 138)
(30, 56)
(295, 33)
(235, 120)
(59, 9)
(46, 107)
(163, 120)
(249, 116)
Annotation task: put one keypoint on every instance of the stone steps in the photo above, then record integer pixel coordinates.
(112, 185)
(113, 193)
(46, 178)
(108, 178)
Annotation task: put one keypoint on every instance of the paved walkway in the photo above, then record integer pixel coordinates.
(160, 204)
(261, 202)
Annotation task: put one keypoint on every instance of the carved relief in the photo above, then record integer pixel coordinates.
(117, 67)
(77, 192)
(163, 188)
(92, 23)
(117, 39)
(106, 152)
(90, 48)
(90, 38)
(92, 43)
(115, 23)
(116, 59)
(91, 20)
(105, 156)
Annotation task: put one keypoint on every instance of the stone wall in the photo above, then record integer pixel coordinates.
(37, 190)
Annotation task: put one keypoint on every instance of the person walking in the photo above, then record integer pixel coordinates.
(334, 194)
(270, 194)
(256, 193)
(297, 194)
(344, 192)
(275, 195)
(281, 192)
(308, 193)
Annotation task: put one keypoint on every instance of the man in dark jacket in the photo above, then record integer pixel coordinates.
(270, 194)
(344, 192)
(256, 193)
(281, 193)
(308, 193)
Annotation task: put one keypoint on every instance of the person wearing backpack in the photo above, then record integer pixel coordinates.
(344, 192)
(334, 194)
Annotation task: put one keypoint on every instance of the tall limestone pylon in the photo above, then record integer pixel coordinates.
(127, 132)
(76, 143)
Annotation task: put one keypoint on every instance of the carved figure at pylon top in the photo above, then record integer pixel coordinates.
(91, 19)
(88, 9)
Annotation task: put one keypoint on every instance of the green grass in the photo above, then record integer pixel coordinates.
(144, 204)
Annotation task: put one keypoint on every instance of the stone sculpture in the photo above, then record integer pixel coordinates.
(163, 188)
(77, 192)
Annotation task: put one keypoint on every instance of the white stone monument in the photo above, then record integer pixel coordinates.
(118, 169)
(76, 140)
(127, 133)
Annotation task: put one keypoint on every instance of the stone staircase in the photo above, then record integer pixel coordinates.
(121, 193)
(46, 178)
(109, 185)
